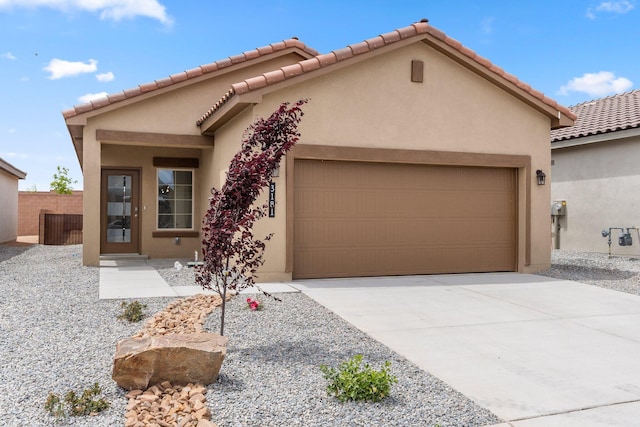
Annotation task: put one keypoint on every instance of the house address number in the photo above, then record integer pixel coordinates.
(272, 199)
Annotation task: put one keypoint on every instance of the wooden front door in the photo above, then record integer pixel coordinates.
(119, 212)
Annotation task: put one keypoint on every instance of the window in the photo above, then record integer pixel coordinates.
(175, 199)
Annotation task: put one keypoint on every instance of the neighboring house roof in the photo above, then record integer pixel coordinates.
(601, 117)
(12, 170)
(193, 73)
(418, 31)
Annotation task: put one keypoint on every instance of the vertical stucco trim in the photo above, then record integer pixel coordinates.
(522, 164)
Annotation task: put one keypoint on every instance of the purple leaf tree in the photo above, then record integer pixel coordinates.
(231, 255)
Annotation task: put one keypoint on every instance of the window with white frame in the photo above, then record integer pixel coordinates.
(175, 199)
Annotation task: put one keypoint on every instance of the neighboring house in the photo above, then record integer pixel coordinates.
(417, 156)
(596, 170)
(9, 176)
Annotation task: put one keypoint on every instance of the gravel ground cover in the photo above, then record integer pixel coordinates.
(55, 335)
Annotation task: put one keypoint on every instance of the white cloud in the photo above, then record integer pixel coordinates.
(24, 78)
(108, 9)
(597, 84)
(620, 7)
(487, 25)
(12, 131)
(60, 68)
(91, 97)
(8, 55)
(13, 154)
(105, 77)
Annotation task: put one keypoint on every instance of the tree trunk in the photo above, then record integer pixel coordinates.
(224, 297)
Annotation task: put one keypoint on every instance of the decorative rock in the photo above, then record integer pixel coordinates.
(177, 358)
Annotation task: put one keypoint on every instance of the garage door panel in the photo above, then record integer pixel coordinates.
(381, 204)
(363, 219)
(399, 233)
(436, 260)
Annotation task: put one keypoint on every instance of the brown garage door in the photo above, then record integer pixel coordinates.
(375, 219)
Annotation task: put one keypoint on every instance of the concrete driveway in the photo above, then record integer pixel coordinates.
(535, 351)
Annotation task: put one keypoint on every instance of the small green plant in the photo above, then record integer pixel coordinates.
(133, 311)
(54, 406)
(352, 381)
(86, 404)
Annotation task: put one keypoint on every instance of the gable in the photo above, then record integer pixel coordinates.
(251, 90)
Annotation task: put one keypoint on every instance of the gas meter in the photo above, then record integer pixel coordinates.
(559, 208)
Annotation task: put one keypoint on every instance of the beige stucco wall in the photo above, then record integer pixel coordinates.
(373, 104)
(169, 112)
(8, 207)
(142, 158)
(600, 183)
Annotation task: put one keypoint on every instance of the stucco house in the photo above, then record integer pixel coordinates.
(596, 172)
(9, 176)
(417, 156)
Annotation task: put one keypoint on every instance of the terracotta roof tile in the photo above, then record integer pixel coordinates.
(179, 77)
(265, 50)
(310, 64)
(292, 70)
(468, 52)
(100, 102)
(375, 42)
(210, 68)
(129, 93)
(385, 39)
(436, 33)
(189, 74)
(390, 37)
(116, 97)
(406, 32)
(453, 43)
(359, 48)
(167, 81)
(237, 58)
(326, 59)
(344, 53)
(252, 54)
(275, 76)
(256, 82)
(610, 114)
(148, 87)
(195, 72)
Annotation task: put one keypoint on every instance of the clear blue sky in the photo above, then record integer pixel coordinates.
(55, 54)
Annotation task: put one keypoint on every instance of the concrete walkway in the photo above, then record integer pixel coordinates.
(535, 351)
(128, 279)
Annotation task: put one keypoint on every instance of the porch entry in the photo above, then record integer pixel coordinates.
(119, 211)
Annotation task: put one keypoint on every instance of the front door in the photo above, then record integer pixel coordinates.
(119, 213)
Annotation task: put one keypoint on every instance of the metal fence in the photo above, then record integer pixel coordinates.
(60, 229)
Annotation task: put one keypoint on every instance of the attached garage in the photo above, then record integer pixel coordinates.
(374, 219)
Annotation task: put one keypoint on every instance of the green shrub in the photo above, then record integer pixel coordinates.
(133, 311)
(351, 381)
(86, 404)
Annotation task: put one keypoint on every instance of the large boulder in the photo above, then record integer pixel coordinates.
(178, 358)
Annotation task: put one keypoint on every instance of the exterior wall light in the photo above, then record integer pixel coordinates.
(540, 176)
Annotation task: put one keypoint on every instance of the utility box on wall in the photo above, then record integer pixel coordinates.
(559, 208)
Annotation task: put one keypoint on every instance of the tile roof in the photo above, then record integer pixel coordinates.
(610, 114)
(324, 60)
(187, 75)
